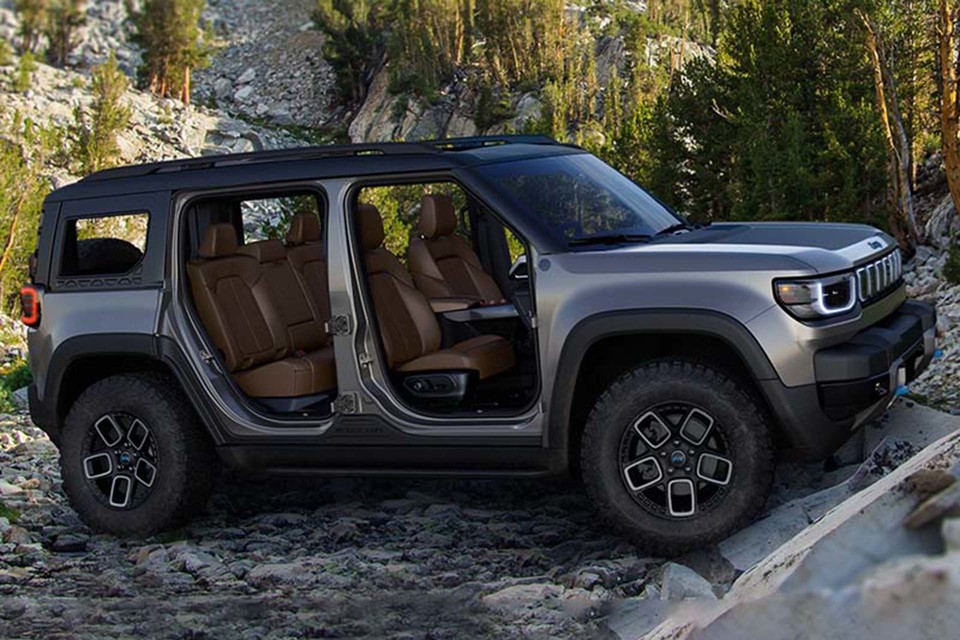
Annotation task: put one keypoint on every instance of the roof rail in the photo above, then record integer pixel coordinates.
(473, 142)
(316, 152)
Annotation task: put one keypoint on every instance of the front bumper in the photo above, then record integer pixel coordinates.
(856, 381)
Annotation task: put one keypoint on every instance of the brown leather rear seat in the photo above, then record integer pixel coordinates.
(258, 316)
(305, 253)
(410, 331)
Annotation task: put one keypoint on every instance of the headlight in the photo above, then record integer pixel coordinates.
(817, 298)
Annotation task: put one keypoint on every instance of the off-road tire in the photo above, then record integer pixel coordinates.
(186, 461)
(745, 427)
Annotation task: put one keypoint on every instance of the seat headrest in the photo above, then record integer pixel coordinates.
(370, 227)
(437, 216)
(304, 227)
(218, 240)
(265, 251)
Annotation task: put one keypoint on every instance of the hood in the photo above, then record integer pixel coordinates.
(795, 247)
(825, 247)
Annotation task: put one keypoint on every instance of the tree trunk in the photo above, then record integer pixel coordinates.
(949, 112)
(898, 143)
(185, 93)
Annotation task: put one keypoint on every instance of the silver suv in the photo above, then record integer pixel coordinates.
(522, 310)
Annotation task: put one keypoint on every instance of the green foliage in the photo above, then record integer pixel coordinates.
(13, 376)
(6, 54)
(63, 19)
(174, 44)
(93, 139)
(23, 77)
(951, 269)
(782, 126)
(355, 40)
(33, 17)
(11, 514)
(26, 152)
(492, 109)
(431, 38)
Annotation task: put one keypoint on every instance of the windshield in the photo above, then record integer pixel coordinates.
(581, 197)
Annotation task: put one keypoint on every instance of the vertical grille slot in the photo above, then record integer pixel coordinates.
(876, 279)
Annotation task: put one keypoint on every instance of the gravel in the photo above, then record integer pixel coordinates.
(310, 558)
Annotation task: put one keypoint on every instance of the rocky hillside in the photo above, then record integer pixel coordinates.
(268, 65)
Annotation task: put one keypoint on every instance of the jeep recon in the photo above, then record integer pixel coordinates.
(548, 316)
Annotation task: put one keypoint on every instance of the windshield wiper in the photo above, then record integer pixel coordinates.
(680, 226)
(612, 238)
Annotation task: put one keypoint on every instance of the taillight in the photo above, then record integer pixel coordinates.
(30, 306)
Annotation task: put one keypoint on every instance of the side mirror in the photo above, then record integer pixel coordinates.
(519, 270)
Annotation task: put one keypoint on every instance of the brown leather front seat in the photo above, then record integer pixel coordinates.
(442, 263)
(251, 329)
(410, 331)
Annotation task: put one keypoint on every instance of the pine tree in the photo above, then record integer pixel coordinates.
(64, 17)
(33, 17)
(174, 45)
(94, 138)
(355, 42)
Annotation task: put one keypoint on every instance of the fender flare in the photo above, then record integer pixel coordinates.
(594, 328)
(146, 346)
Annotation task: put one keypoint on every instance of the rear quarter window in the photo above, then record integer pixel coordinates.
(104, 245)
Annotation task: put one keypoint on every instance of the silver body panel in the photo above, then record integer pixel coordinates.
(732, 278)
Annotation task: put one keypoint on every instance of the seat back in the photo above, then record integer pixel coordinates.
(443, 264)
(222, 283)
(305, 254)
(282, 299)
(408, 326)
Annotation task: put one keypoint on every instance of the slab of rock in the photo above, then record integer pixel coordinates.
(936, 506)
(747, 547)
(950, 530)
(515, 599)
(857, 573)
(70, 543)
(290, 573)
(680, 582)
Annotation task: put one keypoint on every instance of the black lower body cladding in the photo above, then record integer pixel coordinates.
(855, 380)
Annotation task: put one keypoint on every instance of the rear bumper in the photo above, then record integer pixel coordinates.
(856, 381)
(43, 414)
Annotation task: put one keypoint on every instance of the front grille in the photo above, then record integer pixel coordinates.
(878, 278)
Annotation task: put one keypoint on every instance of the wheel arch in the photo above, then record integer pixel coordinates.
(608, 344)
(83, 360)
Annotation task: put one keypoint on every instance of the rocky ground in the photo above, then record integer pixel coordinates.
(939, 386)
(361, 558)
(371, 559)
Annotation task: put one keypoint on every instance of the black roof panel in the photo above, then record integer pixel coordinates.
(303, 163)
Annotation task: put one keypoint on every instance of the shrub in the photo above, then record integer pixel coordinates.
(23, 78)
(951, 268)
(94, 139)
(355, 40)
(11, 514)
(6, 54)
(26, 150)
(13, 376)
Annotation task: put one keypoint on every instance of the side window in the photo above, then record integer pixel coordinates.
(104, 245)
(269, 218)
